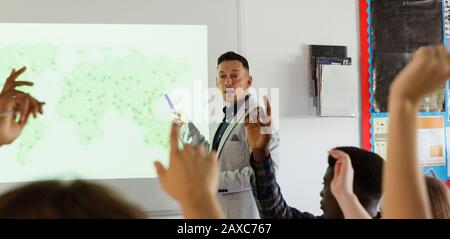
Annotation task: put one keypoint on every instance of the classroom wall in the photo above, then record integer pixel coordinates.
(274, 38)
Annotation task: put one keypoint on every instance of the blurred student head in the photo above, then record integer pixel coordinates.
(368, 168)
(55, 199)
(439, 198)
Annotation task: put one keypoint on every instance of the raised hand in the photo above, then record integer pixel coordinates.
(15, 107)
(12, 106)
(11, 83)
(259, 130)
(192, 178)
(427, 72)
(342, 187)
(342, 183)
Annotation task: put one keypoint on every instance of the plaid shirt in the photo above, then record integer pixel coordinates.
(267, 193)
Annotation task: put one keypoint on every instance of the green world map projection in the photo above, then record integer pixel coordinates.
(129, 83)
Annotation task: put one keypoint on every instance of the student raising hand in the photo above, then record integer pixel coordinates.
(342, 187)
(405, 193)
(9, 88)
(11, 83)
(258, 124)
(427, 72)
(191, 178)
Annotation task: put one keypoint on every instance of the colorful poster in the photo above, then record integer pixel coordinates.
(430, 139)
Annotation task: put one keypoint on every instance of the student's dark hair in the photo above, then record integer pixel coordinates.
(368, 168)
(55, 199)
(233, 56)
(439, 198)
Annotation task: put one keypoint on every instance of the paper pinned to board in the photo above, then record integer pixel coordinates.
(337, 91)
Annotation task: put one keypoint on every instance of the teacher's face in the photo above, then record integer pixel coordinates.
(233, 80)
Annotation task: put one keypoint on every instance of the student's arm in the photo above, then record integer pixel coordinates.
(191, 179)
(342, 187)
(15, 108)
(265, 188)
(405, 194)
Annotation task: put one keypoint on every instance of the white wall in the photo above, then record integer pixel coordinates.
(275, 35)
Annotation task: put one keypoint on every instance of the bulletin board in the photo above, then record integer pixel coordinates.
(390, 32)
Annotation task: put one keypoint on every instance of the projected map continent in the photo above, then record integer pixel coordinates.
(128, 83)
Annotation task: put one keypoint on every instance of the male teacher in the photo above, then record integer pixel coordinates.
(230, 137)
